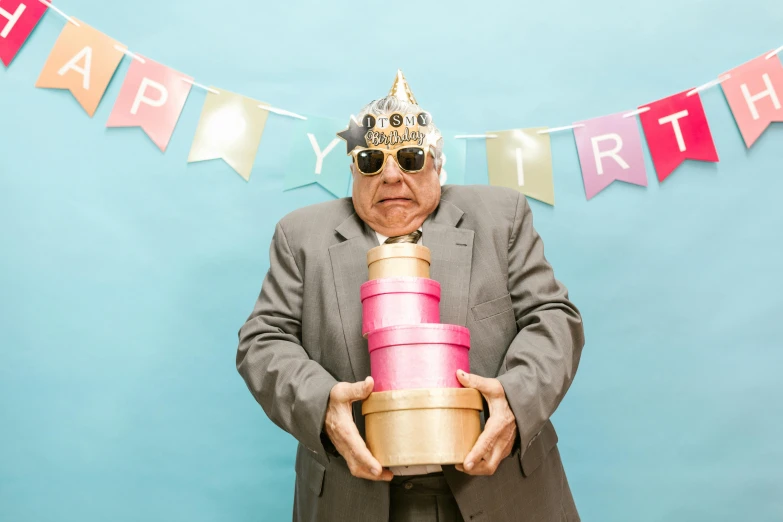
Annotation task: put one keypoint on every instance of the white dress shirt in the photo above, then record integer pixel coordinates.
(410, 470)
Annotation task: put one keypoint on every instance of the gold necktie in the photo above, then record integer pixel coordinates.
(413, 237)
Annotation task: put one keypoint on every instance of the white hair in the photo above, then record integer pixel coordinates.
(391, 104)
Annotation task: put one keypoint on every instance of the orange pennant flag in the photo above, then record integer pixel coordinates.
(83, 60)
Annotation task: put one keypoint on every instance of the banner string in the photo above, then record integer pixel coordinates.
(59, 12)
(201, 86)
(472, 136)
(282, 112)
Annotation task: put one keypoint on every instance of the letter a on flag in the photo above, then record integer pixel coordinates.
(83, 60)
(18, 18)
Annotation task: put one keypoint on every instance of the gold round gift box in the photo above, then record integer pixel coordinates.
(422, 426)
(398, 260)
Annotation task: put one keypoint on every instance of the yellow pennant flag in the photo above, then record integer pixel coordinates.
(522, 159)
(83, 60)
(230, 128)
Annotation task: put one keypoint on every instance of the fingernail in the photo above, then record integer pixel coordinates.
(376, 471)
(468, 465)
(461, 373)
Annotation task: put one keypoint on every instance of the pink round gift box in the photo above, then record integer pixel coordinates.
(418, 356)
(399, 300)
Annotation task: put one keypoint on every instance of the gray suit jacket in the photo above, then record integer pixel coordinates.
(304, 335)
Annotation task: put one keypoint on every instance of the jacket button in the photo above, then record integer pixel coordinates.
(408, 485)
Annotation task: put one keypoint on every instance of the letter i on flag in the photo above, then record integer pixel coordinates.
(522, 159)
(18, 18)
(152, 98)
(83, 60)
(610, 148)
(754, 91)
(230, 128)
(316, 156)
(676, 129)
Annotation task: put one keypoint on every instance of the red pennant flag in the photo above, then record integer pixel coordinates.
(676, 129)
(18, 18)
(754, 91)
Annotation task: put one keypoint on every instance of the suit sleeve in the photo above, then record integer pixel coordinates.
(292, 389)
(541, 361)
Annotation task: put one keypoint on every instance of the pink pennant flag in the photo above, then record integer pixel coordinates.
(754, 92)
(18, 18)
(152, 98)
(610, 148)
(676, 129)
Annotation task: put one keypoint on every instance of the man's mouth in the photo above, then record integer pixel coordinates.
(390, 200)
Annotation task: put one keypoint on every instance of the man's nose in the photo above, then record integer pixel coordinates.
(391, 171)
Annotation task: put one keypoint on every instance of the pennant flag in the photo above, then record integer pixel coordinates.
(452, 170)
(230, 128)
(316, 157)
(83, 60)
(610, 148)
(18, 18)
(152, 98)
(754, 91)
(522, 159)
(676, 129)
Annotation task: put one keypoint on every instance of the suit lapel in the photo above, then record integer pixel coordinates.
(349, 266)
(452, 255)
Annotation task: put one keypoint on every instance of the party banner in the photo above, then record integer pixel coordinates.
(610, 148)
(522, 159)
(83, 60)
(152, 98)
(676, 129)
(18, 18)
(754, 91)
(316, 156)
(230, 128)
(452, 171)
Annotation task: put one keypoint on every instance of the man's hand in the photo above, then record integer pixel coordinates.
(343, 433)
(495, 442)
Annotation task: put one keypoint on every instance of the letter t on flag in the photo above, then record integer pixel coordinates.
(676, 129)
(18, 18)
(610, 148)
(152, 98)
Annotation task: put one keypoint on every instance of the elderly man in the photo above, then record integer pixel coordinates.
(303, 357)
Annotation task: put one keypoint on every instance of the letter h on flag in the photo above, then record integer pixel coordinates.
(18, 18)
(754, 91)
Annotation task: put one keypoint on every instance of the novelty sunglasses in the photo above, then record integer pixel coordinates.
(371, 161)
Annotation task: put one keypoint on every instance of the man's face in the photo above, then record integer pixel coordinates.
(396, 202)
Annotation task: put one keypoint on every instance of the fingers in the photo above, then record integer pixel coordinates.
(359, 459)
(352, 391)
(490, 388)
(492, 446)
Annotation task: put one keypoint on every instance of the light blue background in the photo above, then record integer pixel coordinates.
(125, 273)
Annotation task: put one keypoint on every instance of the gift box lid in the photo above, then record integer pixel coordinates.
(398, 250)
(392, 285)
(424, 333)
(421, 399)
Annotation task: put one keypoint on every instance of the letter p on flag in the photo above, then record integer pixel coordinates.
(18, 18)
(152, 98)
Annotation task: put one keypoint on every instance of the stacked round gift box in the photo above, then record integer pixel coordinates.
(418, 412)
